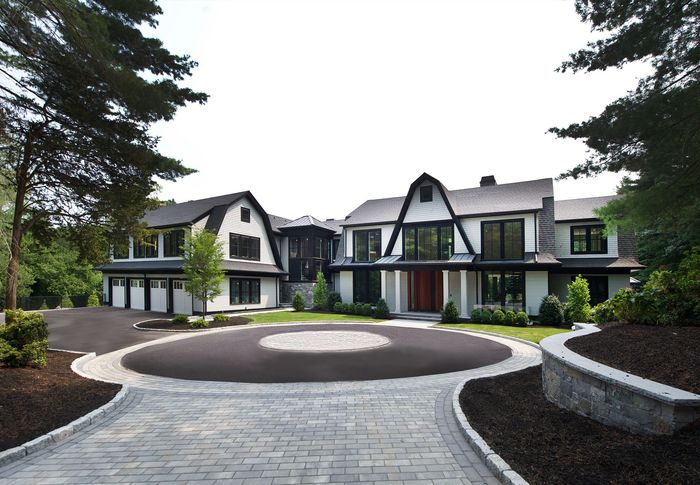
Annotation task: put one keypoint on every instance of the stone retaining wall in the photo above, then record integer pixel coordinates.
(610, 396)
(288, 289)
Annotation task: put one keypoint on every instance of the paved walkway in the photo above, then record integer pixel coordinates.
(396, 430)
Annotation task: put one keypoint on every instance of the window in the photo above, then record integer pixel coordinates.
(244, 247)
(503, 239)
(173, 243)
(426, 193)
(178, 285)
(146, 247)
(245, 214)
(588, 240)
(120, 252)
(368, 245)
(428, 243)
(366, 286)
(307, 256)
(118, 282)
(504, 289)
(321, 248)
(244, 291)
(137, 283)
(597, 287)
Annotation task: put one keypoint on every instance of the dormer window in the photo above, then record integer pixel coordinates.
(426, 193)
(245, 214)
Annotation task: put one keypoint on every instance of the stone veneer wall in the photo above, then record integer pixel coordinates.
(289, 288)
(610, 396)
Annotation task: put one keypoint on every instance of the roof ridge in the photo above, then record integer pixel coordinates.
(587, 198)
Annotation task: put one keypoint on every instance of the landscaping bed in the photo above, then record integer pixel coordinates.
(548, 445)
(170, 325)
(532, 333)
(668, 355)
(34, 401)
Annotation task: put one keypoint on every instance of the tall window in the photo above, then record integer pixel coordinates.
(503, 239)
(120, 252)
(307, 256)
(245, 214)
(428, 243)
(368, 245)
(244, 290)
(173, 243)
(146, 247)
(504, 289)
(366, 286)
(244, 247)
(588, 240)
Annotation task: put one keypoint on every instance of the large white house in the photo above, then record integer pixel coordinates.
(503, 245)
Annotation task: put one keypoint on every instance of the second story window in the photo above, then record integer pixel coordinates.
(426, 193)
(244, 247)
(368, 245)
(120, 251)
(307, 257)
(503, 239)
(173, 243)
(146, 247)
(588, 240)
(245, 214)
(428, 243)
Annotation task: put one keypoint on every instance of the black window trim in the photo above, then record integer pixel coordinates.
(484, 275)
(230, 246)
(588, 227)
(424, 196)
(245, 214)
(366, 233)
(316, 242)
(417, 225)
(179, 252)
(503, 239)
(146, 247)
(233, 281)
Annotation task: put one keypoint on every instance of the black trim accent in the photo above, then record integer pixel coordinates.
(127, 292)
(239, 282)
(588, 227)
(216, 218)
(146, 293)
(245, 214)
(416, 225)
(502, 213)
(252, 239)
(169, 303)
(503, 239)
(585, 219)
(426, 195)
(110, 291)
(366, 232)
(502, 289)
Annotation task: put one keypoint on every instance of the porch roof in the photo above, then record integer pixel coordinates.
(175, 266)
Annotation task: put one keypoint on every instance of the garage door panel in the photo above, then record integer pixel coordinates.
(159, 295)
(182, 301)
(138, 300)
(118, 292)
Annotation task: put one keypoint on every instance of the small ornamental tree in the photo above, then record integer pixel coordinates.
(450, 313)
(66, 302)
(382, 310)
(551, 310)
(320, 296)
(298, 302)
(202, 260)
(93, 300)
(578, 303)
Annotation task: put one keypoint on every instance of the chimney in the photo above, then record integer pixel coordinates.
(487, 180)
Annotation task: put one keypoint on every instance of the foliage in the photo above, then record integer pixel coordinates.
(220, 317)
(320, 292)
(498, 317)
(43, 305)
(449, 313)
(382, 310)
(202, 266)
(366, 310)
(298, 302)
(290, 316)
(578, 300)
(338, 307)
(199, 323)
(93, 300)
(180, 319)
(521, 319)
(510, 317)
(333, 298)
(24, 339)
(604, 312)
(476, 315)
(551, 310)
(653, 132)
(66, 302)
(486, 316)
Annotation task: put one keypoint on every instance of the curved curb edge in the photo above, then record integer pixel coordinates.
(17, 453)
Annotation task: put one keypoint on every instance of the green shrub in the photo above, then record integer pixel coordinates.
(551, 310)
(347, 308)
(476, 315)
(220, 317)
(43, 306)
(66, 302)
(320, 293)
(450, 313)
(603, 312)
(521, 319)
(180, 319)
(510, 317)
(338, 307)
(199, 323)
(382, 310)
(356, 308)
(486, 316)
(333, 298)
(578, 301)
(498, 317)
(367, 310)
(298, 302)
(93, 300)
(24, 339)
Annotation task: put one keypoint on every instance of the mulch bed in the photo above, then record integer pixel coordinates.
(668, 355)
(169, 325)
(34, 402)
(548, 445)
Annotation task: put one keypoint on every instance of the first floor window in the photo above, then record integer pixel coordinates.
(245, 290)
(366, 286)
(504, 289)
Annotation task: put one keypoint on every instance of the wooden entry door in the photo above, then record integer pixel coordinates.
(424, 291)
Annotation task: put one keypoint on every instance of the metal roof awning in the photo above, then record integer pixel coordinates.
(174, 266)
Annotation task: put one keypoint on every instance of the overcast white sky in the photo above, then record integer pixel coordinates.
(317, 106)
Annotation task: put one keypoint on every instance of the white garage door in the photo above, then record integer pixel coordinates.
(182, 301)
(159, 296)
(118, 293)
(138, 299)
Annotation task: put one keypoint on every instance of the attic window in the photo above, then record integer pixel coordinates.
(426, 193)
(245, 214)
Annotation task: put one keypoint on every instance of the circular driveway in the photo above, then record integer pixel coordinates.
(237, 356)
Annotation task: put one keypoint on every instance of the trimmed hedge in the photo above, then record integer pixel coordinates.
(24, 339)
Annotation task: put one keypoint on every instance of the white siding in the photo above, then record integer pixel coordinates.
(454, 289)
(434, 210)
(616, 282)
(256, 227)
(105, 288)
(390, 290)
(397, 250)
(536, 288)
(284, 251)
(472, 226)
(345, 289)
(562, 249)
(268, 296)
(471, 290)
(349, 234)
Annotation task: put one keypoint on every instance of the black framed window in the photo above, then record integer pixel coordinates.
(597, 288)
(173, 243)
(503, 239)
(244, 291)
(245, 214)
(428, 243)
(368, 245)
(366, 286)
(426, 193)
(120, 251)
(244, 247)
(146, 247)
(307, 257)
(588, 239)
(504, 289)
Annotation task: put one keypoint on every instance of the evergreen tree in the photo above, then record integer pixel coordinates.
(320, 296)
(202, 266)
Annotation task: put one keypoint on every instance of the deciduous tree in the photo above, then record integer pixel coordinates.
(202, 266)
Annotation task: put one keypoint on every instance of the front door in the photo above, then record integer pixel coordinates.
(424, 291)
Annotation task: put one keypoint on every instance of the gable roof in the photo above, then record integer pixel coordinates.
(186, 212)
(580, 209)
(277, 221)
(306, 221)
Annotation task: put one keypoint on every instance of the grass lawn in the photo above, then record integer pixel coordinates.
(533, 334)
(284, 317)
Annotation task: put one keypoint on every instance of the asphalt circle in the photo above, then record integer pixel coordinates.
(237, 356)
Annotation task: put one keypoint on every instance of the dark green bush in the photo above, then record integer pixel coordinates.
(510, 317)
(24, 339)
(199, 323)
(220, 317)
(298, 302)
(180, 319)
(366, 310)
(551, 310)
(476, 315)
(486, 316)
(498, 317)
(521, 319)
(338, 307)
(382, 310)
(450, 313)
(333, 298)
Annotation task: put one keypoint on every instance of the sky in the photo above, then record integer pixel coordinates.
(316, 106)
